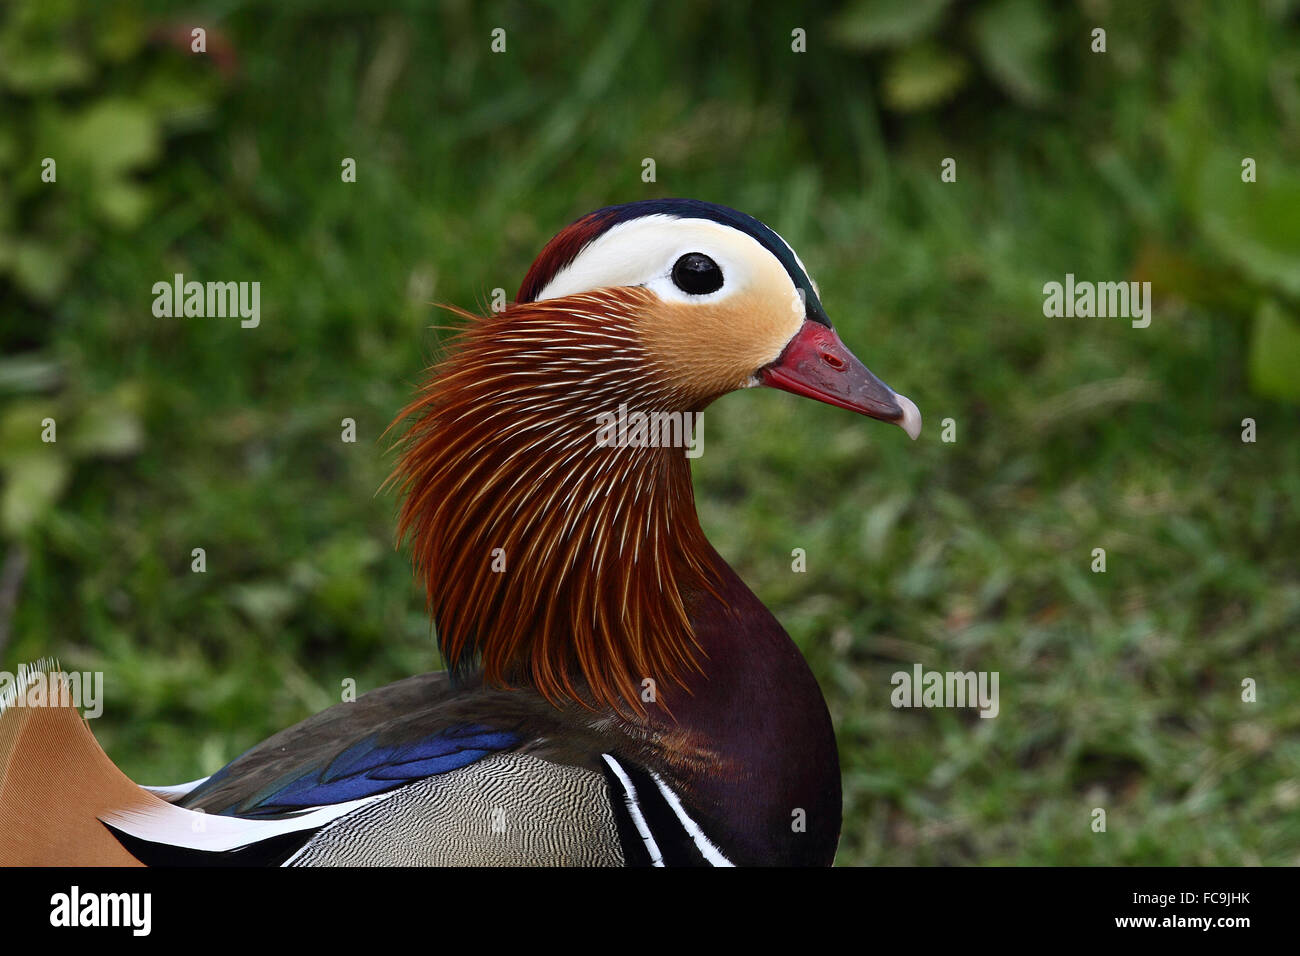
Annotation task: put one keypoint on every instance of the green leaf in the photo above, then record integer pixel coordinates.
(123, 204)
(1255, 226)
(20, 427)
(113, 136)
(109, 427)
(1274, 362)
(121, 34)
(33, 483)
(870, 24)
(32, 68)
(40, 269)
(1014, 39)
(921, 77)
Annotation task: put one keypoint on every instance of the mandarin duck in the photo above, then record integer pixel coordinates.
(615, 695)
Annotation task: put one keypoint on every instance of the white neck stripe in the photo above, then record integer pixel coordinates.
(634, 808)
(702, 843)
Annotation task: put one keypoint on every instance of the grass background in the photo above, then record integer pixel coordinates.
(1119, 690)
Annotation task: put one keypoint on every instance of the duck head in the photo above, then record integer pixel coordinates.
(572, 565)
(724, 303)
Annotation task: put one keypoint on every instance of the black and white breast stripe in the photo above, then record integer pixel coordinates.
(654, 828)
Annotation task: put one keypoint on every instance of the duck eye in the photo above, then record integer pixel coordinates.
(697, 274)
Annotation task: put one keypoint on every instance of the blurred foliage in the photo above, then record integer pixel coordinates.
(82, 85)
(931, 45)
(35, 471)
(87, 102)
(921, 55)
(1119, 690)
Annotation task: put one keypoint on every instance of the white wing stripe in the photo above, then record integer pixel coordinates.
(212, 832)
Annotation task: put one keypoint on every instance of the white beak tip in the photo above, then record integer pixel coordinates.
(911, 422)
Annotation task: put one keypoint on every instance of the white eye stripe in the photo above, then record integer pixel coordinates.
(642, 252)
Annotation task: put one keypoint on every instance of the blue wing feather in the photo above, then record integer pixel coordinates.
(368, 767)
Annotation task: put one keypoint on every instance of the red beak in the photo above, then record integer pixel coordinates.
(816, 364)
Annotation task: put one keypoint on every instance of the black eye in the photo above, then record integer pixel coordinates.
(697, 274)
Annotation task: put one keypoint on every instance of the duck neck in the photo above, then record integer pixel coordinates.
(557, 560)
(772, 785)
(552, 556)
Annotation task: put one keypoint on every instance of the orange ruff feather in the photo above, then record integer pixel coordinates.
(601, 545)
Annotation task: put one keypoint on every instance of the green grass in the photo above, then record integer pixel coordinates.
(1119, 690)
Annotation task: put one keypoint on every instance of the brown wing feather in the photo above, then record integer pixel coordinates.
(55, 781)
